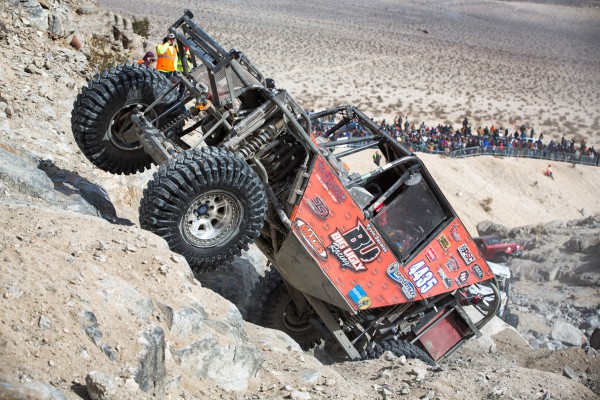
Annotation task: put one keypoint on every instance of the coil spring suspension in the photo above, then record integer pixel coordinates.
(353, 320)
(252, 144)
(178, 120)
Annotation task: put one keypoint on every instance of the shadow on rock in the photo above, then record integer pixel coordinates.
(71, 184)
(236, 281)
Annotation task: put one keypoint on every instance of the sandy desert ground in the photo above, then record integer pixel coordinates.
(497, 62)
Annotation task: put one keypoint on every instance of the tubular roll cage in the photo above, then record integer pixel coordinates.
(204, 51)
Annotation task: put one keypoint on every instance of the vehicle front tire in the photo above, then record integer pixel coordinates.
(207, 203)
(101, 116)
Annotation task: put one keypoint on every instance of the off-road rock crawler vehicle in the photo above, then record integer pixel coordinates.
(368, 262)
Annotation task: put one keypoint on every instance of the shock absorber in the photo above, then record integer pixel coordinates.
(202, 104)
(251, 145)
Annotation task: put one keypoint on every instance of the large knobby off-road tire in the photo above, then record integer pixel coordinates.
(101, 116)
(207, 203)
(273, 308)
(398, 348)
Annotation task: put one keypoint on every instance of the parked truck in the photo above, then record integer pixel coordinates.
(494, 248)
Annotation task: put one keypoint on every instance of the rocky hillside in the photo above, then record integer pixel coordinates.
(93, 307)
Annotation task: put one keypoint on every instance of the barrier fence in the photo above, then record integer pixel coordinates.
(495, 151)
(512, 152)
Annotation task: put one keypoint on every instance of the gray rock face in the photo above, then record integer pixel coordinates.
(4, 126)
(60, 21)
(31, 10)
(86, 9)
(185, 321)
(587, 243)
(11, 388)
(206, 359)
(101, 386)
(489, 228)
(25, 177)
(236, 281)
(151, 374)
(567, 333)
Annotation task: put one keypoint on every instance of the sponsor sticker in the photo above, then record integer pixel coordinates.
(431, 254)
(444, 242)
(478, 271)
(359, 296)
(422, 276)
(462, 278)
(318, 207)
(408, 289)
(329, 181)
(452, 264)
(310, 238)
(454, 233)
(466, 254)
(354, 248)
(445, 280)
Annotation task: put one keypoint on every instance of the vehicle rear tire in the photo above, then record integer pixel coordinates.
(275, 309)
(398, 348)
(208, 205)
(101, 116)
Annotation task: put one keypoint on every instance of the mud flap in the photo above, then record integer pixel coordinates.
(445, 332)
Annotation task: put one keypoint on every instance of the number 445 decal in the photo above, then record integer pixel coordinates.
(422, 277)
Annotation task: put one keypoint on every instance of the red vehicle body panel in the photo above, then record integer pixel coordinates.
(355, 257)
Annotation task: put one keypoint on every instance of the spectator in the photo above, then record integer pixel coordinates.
(148, 59)
(167, 56)
(377, 158)
(548, 172)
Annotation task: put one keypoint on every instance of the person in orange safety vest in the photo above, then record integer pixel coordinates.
(167, 56)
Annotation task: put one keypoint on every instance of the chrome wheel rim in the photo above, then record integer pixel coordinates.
(212, 219)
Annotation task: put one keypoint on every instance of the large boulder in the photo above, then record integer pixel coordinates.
(28, 13)
(24, 177)
(151, 338)
(60, 21)
(567, 334)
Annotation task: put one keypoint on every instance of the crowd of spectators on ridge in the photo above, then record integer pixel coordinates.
(446, 138)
